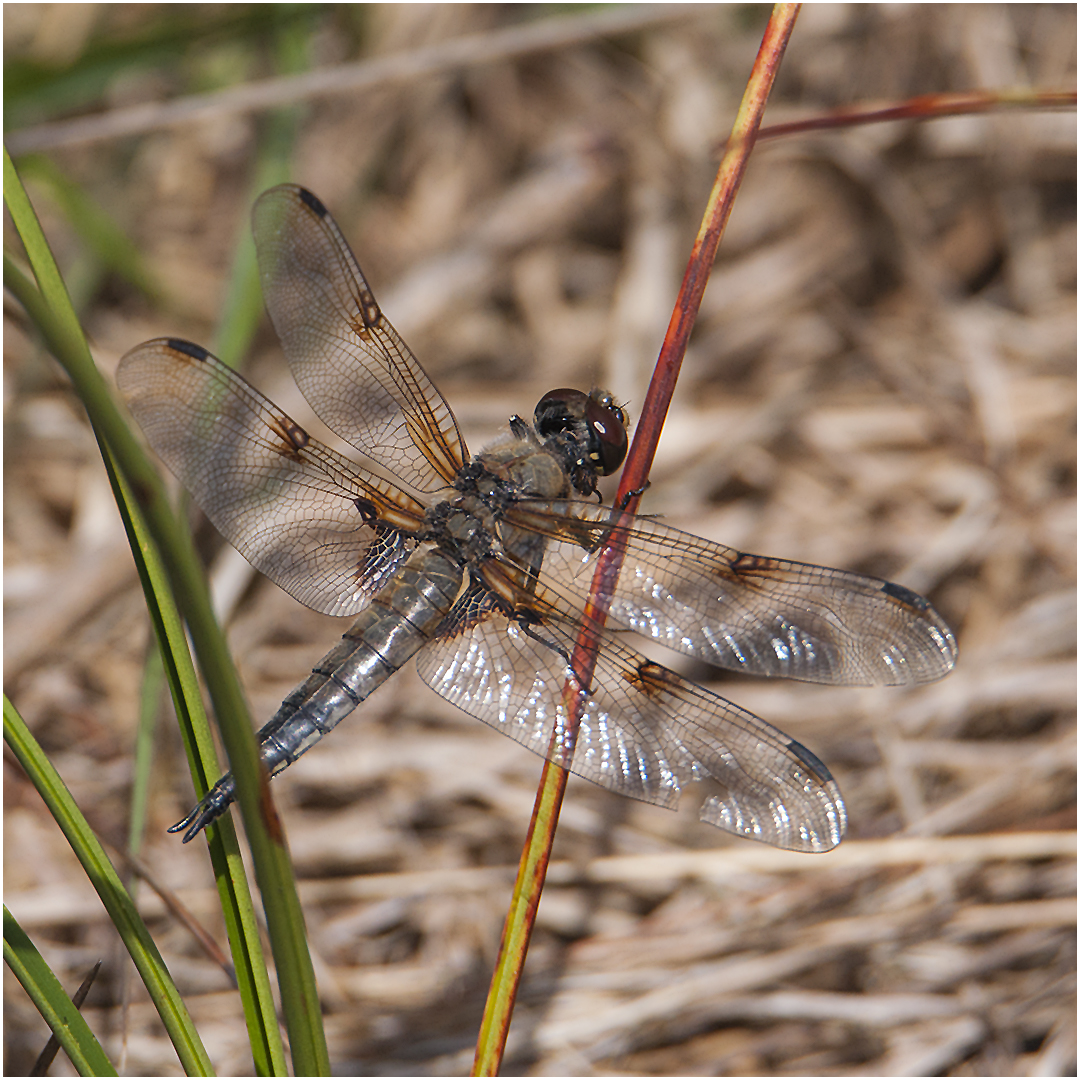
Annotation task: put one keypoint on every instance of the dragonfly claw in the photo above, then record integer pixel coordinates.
(208, 810)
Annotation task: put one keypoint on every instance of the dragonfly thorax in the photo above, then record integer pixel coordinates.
(462, 528)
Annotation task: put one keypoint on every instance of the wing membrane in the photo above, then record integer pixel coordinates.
(325, 530)
(745, 612)
(644, 732)
(349, 362)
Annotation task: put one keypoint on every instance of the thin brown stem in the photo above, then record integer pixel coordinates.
(536, 856)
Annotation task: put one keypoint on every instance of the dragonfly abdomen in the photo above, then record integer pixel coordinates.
(400, 619)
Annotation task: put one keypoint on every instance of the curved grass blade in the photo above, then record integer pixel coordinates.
(51, 310)
(240, 922)
(117, 900)
(928, 107)
(48, 1055)
(67, 1024)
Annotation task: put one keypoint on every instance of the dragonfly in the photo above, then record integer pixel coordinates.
(485, 567)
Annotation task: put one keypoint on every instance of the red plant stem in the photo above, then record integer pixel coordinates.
(928, 107)
(536, 855)
(721, 199)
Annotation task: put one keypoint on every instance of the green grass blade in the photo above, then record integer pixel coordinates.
(55, 318)
(60, 1013)
(145, 737)
(110, 889)
(242, 311)
(241, 924)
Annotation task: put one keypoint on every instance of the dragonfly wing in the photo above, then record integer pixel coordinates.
(745, 612)
(643, 731)
(349, 362)
(325, 530)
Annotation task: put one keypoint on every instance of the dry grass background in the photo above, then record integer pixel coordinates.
(883, 379)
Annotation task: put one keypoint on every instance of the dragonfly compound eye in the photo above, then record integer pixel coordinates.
(607, 432)
(594, 419)
(560, 410)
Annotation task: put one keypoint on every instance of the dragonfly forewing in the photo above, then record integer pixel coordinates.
(349, 362)
(330, 533)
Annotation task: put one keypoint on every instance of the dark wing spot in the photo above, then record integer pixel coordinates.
(905, 596)
(591, 539)
(293, 437)
(811, 761)
(475, 606)
(311, 201)
(368, 510)
(370, 310)
(188, 348)
(648, 678)
(747, 564)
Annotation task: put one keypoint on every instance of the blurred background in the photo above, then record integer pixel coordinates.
(882, 379)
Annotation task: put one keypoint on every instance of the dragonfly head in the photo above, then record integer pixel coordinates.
(589, 428)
